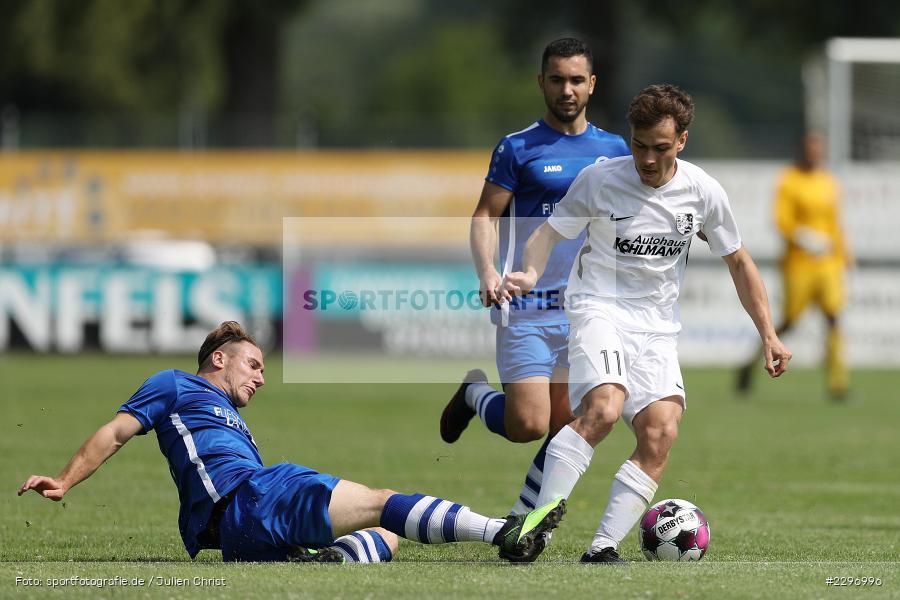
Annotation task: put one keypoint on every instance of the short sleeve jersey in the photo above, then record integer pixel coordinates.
(632, 263)
(538, 164)
(208, 446)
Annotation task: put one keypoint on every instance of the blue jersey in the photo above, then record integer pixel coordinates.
(538, 164)
(208, 446)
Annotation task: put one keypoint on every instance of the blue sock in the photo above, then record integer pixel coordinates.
(533, 480)
(365, 546)
(490, 406)
(431, 520)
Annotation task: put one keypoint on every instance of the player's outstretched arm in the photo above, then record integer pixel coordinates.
(483, 238)
(752, 292)
(105, 442)
(534, 260)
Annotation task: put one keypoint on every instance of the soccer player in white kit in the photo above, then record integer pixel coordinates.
(641, 213)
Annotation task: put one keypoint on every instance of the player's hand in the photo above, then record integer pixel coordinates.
(777, 356)
(45, 486)
(811, 241)
(517, 283)
(488, 286)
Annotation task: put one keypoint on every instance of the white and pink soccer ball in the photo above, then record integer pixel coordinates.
(674, 530)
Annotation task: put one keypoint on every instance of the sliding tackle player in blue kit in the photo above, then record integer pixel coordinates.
(530, 172)
(229, 500)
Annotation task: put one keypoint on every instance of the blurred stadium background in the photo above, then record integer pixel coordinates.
(149, 152)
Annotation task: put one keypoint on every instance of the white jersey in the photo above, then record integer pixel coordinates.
(632, 263)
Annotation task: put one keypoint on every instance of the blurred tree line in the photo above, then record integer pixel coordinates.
(399, 73)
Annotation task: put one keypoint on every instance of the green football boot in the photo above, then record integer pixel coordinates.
(311, 555)
(523, 537)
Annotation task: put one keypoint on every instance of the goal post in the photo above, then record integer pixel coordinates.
(853, 96)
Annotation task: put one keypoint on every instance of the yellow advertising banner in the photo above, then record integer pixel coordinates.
(83, 197)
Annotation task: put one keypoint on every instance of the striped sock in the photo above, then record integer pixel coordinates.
(431, 520)
(365, 546)
(489, 405)
(532, 486)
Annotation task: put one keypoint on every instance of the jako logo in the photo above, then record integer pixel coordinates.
(552, 168)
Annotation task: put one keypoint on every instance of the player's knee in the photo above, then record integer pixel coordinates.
(380, 497)
(596, 423)
(603, 415)
(526, 429)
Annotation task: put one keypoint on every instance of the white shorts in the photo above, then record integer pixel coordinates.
(645, 364)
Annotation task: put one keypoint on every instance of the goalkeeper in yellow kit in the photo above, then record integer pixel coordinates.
(807, 213)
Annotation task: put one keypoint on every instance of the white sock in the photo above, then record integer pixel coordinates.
(568, 457)
(477, 391)
(631, 493)
(472, 527)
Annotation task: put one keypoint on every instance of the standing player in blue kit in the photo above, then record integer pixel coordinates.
(530, 172)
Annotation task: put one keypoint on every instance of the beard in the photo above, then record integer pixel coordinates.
(565, 117)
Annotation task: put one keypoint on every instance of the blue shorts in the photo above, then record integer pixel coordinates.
(276, 509)
(531, 351)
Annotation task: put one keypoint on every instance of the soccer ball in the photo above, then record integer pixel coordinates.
(674, 530)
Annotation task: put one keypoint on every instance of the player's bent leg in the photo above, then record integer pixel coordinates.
(527, 409)
(570, 451)
(432, 520)
(523, 356)
(520, 413)
(656, 429)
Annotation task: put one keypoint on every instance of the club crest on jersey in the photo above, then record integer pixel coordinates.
(684, 223)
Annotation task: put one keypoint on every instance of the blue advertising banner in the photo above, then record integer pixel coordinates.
(69, 307)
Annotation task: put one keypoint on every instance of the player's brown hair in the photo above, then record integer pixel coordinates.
(227, 332)
(656, 102)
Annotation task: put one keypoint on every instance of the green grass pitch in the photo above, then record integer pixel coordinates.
(796, 490)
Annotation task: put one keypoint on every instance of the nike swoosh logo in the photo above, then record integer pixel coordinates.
(679, 387)
(615, 218)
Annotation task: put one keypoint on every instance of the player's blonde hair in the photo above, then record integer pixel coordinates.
(227, 332)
